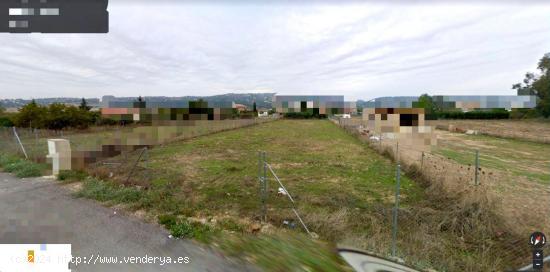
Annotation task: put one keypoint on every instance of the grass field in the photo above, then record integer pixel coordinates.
(535, 130)
(517, 157)
(92, 139)
(206, 188)
(518, 174)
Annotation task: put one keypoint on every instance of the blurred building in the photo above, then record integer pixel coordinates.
(314, 104)
(162, 112)
(462, 102)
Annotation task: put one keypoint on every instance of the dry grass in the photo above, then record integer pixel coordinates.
(471, 216)
(531, 130)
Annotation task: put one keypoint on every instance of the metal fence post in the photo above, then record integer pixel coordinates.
(37, 145)
(146, 159)
(261, 185)
(422, 161)
(397, 151)
(476, 181)
(394, 225)
(19, 141)
(264, 184)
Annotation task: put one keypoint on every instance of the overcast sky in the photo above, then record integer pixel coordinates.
(361, 50)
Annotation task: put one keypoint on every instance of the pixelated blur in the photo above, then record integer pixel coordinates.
(54, 16)
(236, 135)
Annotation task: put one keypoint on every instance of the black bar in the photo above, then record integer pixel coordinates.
(75, 16)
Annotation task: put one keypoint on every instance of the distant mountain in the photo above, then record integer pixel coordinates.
(17, 103)
(361, 104)
(263, 100)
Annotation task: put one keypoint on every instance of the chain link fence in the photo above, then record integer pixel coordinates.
(473, 194)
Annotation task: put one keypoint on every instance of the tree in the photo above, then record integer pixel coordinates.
(254, 107)
(57, 117)
(538, 85)
(84, 105)
(430, 107)
(31, 115)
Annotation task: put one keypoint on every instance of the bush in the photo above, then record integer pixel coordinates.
(167, 220)
(304, 115)
(22, 168)
(29, 169)
(524, 114)
(5, 122)
(182, 230)
(477, 114)
(71, 175)
(106, 191)
(6, 159)
(185, 229)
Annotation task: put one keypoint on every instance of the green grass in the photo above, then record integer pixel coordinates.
(67, 176)
(21, 168)
(517, 157)
(343, 190)
(107, 191)
(285, 252)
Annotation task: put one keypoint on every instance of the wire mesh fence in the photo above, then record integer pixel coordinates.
(32, 143)
(481, 201)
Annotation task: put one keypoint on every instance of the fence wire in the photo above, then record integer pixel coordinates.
(503, 237)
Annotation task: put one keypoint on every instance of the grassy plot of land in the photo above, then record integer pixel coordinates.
(519, 158)
(535, 130)
(207, 188)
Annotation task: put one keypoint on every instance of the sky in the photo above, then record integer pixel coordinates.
(362, 50)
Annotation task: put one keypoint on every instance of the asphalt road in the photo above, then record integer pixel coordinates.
(39, 211)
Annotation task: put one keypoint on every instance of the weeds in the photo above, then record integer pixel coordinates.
(71, 175)
(106, 191)
(183, 228)
(20, 167)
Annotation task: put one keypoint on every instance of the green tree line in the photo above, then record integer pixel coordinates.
(55, 116)
(537, 84)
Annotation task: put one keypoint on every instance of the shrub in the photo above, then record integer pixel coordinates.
(5, 122)
(106, 191)
(182, 229)
(6, 159)
(22, 168)
(29, 169)
(477, 114)
(167, 220)
(304, 115)
(185, 229)
(71, 175)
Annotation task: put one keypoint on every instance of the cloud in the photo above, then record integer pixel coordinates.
(361, 50)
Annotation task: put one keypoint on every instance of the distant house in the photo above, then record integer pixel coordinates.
(240, 107)
(263, 113)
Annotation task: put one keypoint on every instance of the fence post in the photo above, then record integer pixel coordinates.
(36, 145)
(261, 185)
(264, 185)
(422, 161)
(146, 159)
(394, 225)
(19, 141)
(397, 151)
(476, 181)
